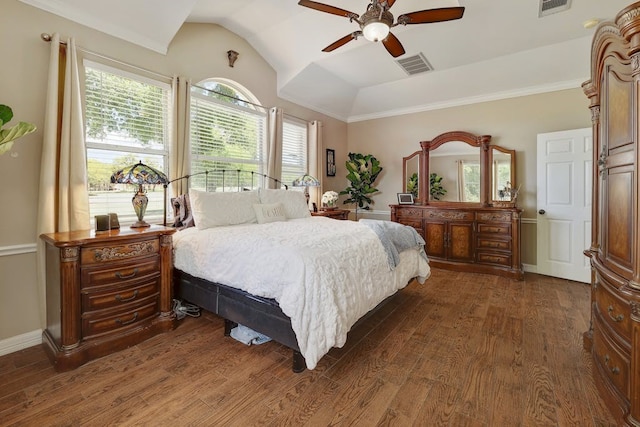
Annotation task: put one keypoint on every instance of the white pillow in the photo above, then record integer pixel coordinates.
(211, 209)
(270, 212)
(294, 202)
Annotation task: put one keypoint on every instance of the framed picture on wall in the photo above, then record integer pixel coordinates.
(331, 162)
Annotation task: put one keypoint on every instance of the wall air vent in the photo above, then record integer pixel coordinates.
(415, 64)
(547, 7)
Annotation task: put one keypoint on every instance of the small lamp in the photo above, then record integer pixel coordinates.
(306, 181)
(139, 174)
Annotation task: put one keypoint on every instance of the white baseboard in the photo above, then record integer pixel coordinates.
(530, 268)
(20, 342)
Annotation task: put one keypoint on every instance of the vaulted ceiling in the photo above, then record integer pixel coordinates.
(499, 49)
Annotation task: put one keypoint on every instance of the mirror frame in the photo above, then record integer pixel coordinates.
(481, 141)
(405, 161)
(512, 166)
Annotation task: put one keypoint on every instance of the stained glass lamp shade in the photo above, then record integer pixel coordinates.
(139, 174)
(306, 181)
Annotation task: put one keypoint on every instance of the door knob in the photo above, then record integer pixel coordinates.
(542, 211)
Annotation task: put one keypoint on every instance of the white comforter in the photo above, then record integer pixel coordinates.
(325, 274)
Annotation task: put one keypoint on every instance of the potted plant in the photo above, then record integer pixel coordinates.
(8, 135)
(363, 171)
(436, 190)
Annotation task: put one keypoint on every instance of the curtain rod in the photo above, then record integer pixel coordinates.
(47, 38)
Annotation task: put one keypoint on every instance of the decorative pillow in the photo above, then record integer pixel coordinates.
(219, 209)
(271, 212)
(294, 202)
(182, 215)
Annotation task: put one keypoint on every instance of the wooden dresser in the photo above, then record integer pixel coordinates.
(614, 335)
(476, 239)
(106, 291)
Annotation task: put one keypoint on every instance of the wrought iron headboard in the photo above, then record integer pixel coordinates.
(238, 174)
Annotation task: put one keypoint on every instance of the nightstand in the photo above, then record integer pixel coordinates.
(333, 213)
(106, 291)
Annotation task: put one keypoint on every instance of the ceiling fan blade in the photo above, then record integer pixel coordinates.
(393, 45)
(431, 15)
(328, 9)
(341, 42)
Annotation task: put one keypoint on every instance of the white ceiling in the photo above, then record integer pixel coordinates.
(500, 48)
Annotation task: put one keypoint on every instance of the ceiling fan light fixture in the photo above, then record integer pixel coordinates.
(375, 30)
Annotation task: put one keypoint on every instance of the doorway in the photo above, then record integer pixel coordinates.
(564, 170)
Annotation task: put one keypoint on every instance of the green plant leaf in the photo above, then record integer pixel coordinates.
(6, 114)
(15, 132)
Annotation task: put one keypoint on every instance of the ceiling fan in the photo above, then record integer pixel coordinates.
(376, 22)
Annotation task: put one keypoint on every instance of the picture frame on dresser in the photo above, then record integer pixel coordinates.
(405, 199)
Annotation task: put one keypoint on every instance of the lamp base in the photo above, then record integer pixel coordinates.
(140, 224)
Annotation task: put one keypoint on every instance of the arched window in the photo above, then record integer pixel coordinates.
(227, 131)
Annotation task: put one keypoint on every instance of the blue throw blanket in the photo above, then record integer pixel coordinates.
(395, 238)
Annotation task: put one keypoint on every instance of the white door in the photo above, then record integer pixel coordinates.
(564, 203)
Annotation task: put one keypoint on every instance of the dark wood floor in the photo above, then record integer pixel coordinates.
(461, 350)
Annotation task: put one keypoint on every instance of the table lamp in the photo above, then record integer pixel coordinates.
(306, 181)
(139, 174)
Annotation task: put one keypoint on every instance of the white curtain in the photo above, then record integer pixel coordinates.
(63, 202)
(180, 151)
(314, 132)
(274, 146)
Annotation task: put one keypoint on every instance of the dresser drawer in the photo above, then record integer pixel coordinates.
(449, 215)
(494, 258)
(407, 213)
(109, 275)
(614, 311)
(118, 251)
(612, 361)
(119, 296)
(504, 229)
(503, 245)
(98, 323)
(494, 216)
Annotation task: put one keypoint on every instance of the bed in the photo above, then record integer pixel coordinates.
(259, 259)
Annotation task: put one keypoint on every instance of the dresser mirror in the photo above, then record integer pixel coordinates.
(454, 172)
(503, 179)
(411, 174)
(460, 168)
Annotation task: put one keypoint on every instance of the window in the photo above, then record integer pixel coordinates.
(227, 131)
(294, 149)
(471, 181)
(127, 120)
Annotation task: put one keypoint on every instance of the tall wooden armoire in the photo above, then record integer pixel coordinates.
(614, 335)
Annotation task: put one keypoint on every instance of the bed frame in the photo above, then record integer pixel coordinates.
(239, 307)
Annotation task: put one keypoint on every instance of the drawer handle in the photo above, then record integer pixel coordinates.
(131, 298)
(122, 322)
(127, 276)
(615, 370)
(618, 318)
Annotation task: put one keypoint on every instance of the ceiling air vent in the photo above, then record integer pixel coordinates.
(547, 7)
(415, 64)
